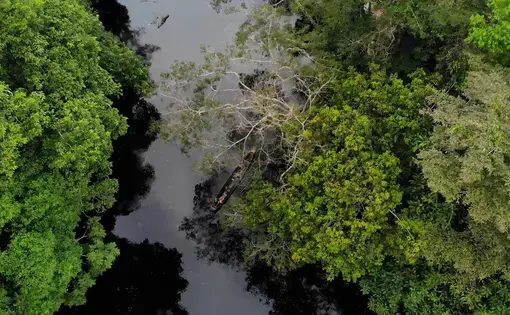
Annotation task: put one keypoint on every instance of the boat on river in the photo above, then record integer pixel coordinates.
(233, 181)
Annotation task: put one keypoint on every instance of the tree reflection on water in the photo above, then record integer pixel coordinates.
(305, 291)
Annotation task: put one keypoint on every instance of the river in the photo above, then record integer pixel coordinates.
(212, 288)
(158, 271)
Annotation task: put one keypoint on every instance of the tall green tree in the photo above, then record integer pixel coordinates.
(467, 159)
(60, 71)
(340, 206)
(491, 32)
(402, 35)
(461, 207)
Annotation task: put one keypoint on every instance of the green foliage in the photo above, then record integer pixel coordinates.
(409, 200)
(433, 19)
(421, 289)
(339, 207)
(32, 263)
(403, 35)
(60, 71)
(400, 182)
(464, 239)
(492, 33)
(467, 159)
(336, 27)
(22, 120)
(99, 257)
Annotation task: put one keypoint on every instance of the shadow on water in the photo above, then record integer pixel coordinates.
(115, 19)
(145, 278)
(214, 243)
(114, 16)
(305, 291)
(134, 176)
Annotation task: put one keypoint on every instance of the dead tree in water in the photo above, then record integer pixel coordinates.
(233, 181)
(225, 108)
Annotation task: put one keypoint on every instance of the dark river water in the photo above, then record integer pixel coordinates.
(158, 271)
(212, 288)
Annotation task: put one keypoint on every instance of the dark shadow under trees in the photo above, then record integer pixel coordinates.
(305, 291)
(145, 278)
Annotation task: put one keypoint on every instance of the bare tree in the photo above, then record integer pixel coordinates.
(222, 110)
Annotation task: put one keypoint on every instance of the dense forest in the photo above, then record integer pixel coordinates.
(380, 134)
(60, 71)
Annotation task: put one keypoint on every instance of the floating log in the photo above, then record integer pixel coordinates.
(233, 181)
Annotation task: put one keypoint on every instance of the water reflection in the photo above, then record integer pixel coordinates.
(114, 16)
(146, 277)
(115, 19)
(305, 291)
(213, 289)
(135, 177)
